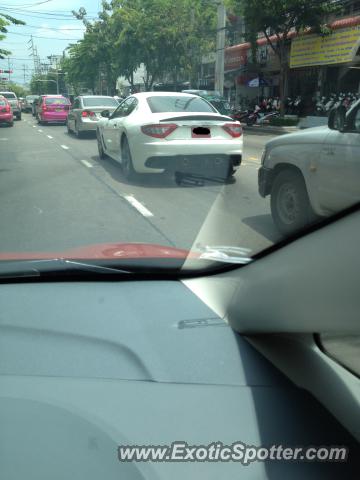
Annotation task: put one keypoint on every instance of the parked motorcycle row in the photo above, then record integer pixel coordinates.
(325, 104)
(262, 111)
(259, 113)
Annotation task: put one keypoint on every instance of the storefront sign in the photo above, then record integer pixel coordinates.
(338, 47)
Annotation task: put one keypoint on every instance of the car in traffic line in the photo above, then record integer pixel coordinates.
(153, 132)
(85, 113)
(29, 99)
(52, 109)
(6, 114)
(14, 102)
(313, 173)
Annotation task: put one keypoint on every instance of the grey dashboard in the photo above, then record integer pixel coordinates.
(85, 367)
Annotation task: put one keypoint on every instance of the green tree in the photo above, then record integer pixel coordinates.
(17, 89)
(168, 38)
(6, 20)
(275, 19)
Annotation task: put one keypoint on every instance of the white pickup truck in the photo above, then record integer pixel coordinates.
(314, 172)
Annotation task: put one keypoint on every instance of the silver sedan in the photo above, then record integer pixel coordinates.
(86, 111)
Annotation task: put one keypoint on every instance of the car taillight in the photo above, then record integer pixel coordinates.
(44, 108)
(87, 113)
(234, 129)
(159, 131)
(8, 109)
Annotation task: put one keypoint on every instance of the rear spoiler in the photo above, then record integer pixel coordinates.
(199, 117)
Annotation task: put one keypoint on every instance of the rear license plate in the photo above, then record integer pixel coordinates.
(200, 132)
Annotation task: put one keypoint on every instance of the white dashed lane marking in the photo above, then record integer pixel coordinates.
(86, 163)
(64, 147)
(40, 131)
(138, 206)
(49, 136)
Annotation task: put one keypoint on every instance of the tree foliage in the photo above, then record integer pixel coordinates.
(276, 19)
(168, 38)
(6, 20)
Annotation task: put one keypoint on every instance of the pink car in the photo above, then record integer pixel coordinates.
(53, 108)
(6, 114)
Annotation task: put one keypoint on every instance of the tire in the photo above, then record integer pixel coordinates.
(289, 201)
(126, 160)
(69, 131)
(11, 124)
(101, 151)
(18, 117)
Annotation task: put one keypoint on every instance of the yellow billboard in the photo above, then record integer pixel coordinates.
(338, 47)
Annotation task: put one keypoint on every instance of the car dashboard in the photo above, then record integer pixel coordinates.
(86, 367)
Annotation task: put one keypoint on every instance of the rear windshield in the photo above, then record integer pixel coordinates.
(31, 97)
(56, 101)
(2, 102)
(178, 104)
(100, 102)
(9, 95)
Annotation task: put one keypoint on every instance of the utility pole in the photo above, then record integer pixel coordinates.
(24, 68)
(220, 47)
(9, 68)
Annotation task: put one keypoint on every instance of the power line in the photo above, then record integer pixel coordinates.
(44, 15)
(47, 38)
(53, 28)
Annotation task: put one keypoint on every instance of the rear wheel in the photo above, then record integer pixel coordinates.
(290, 205)
(68, 128)
(18, 116)
(11, 124)
(126, 160)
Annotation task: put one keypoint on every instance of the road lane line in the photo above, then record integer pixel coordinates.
(86, 163)
(139, 206)
(40, 131)
(64, 147)
(49, 136)
(34, 126)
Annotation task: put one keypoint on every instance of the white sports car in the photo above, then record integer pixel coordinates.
(154, 132)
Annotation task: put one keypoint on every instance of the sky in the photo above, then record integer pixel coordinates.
(49, 19)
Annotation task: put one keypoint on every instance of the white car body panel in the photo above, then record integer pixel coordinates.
(329, 161)
(179, 142)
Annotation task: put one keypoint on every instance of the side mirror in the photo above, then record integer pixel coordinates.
(337, 119)
(105, 113)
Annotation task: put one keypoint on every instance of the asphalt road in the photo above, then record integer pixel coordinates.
(57, 194)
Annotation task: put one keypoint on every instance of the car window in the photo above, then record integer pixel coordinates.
(3, 102)
(125, 108)
(76, 103)
(99, 102)
(56, 101)
(159, 104)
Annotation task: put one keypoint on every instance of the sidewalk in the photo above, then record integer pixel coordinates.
(271, 130)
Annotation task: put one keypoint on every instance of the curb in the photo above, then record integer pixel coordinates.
(269, 129)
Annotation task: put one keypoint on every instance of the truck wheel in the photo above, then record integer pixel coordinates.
(290, 205)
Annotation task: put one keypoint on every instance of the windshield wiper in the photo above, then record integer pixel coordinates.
(39, 268)
(224, 253)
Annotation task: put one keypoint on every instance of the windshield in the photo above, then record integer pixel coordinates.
(236, 128)
(100, 102)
